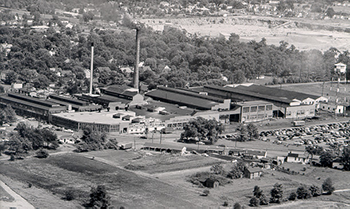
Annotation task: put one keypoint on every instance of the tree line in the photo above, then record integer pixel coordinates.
(172, 57)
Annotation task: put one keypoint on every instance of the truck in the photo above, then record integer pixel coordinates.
(126, 146)
(298, 123)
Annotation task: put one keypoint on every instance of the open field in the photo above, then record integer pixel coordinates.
(5, 196)
(157, 186)
(251, 28)
(73, 171)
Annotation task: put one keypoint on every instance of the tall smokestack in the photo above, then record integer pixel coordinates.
(136, 71)
(92, 67)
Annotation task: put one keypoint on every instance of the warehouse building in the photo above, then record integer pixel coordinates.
(287, 106)
(31, 107)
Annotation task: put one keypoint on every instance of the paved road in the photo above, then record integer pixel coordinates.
(18, 203)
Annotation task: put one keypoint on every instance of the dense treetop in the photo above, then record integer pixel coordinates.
(190, 59)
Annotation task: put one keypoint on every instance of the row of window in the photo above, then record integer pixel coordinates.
(258, 116)
(260, 108)
(299, 112)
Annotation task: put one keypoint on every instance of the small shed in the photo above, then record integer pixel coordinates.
(211, 183)
(253, 173)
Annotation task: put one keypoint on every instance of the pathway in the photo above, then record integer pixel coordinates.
(18, 203)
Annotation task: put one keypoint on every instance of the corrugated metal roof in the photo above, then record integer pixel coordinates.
(33, 100)
(249, 93)
(27, 103)
(192, 93)
(181, 99)
(277, 92)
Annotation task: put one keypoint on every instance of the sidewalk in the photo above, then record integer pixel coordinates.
(18, 203)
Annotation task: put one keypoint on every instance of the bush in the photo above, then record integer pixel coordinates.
(12, 157)
(327, 186)
(263, 200)
(205, 192)
(303, 193)
(69, 195)
(315, 191)
(225, 204)
(237, 206)
(292, 196)
(98, 197)
(254, 202)
(42, 154)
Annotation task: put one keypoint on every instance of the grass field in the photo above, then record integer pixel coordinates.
(4, 196)
(73, 171)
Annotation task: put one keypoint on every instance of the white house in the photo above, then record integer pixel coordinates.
(296, 158)
(332, 107)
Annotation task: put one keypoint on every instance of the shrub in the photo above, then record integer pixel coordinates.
(276, 193)
(225, 204)
(42, 154)
(257, 192)
(263, 200)
(69, 195)
(292, 196)
(315, 191)
(254, 202)
(327, 186)
(237, 206)
(12, 157)
(303, 193)
(205, 192)
(98, 198)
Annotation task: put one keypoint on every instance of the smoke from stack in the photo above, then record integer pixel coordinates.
(92, 65)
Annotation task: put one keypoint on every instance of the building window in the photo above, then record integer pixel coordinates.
(253, 109)
(261, 108)
(268, 107)
(260, 116)
(245, 109)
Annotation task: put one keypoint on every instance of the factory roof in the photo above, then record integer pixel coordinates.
(277, 92)
(181, 99)
(249, 93)
(92, 117)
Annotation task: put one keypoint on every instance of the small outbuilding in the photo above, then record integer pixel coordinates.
(253, 173)
(211, 183)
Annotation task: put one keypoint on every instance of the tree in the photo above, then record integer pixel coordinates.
(252, 131)
(238, 76)
(99, 197)
(257, 192)
(237, 206)
(237, 170)
(330, 12)
(242, 129)
(7, 115)
(303, 193)
(292, 196)
(326, 159)
(327, 186)
(276, 193)
(345, 158)
(217, 169)
(10, 78)
(254, 202)
(313, 150)
(203, 129)
(315, 191)
(263, 200)
(42, 154)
